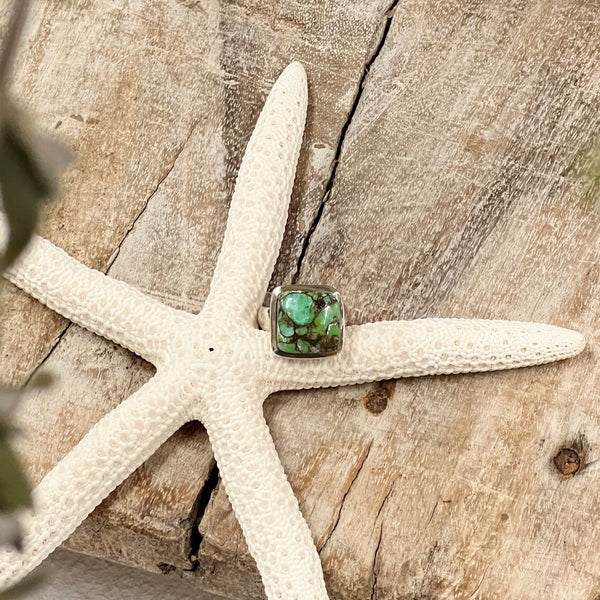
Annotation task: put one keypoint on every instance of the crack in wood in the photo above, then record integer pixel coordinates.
(375, 557)
(47, 356)
(432, 514)
(374, 569)
(389, 15)
(347, 491)
(385, 500)
(118, 248)
(161, 180)
(197, 513)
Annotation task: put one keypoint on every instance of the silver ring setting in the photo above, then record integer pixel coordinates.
(307, 321)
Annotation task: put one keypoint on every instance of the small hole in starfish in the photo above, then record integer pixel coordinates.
(211, 349)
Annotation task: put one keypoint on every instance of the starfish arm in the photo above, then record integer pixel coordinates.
(262, 499)
(392, 349)
(104, 305)
(112, 449)
(260, 201)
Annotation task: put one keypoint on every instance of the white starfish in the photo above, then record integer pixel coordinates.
(218, 366)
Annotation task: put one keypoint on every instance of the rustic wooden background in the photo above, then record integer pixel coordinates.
(450, 167)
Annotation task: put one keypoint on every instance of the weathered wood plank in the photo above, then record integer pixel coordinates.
(158, 101)
(467, 186)
(129, 116)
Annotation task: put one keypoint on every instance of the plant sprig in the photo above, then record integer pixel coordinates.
(28, 176)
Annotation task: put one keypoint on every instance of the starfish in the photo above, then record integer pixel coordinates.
(218, 366)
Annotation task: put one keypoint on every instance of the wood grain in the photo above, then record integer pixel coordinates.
(466, 184)
(465, 187)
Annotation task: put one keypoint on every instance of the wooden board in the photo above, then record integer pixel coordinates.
(449, 168)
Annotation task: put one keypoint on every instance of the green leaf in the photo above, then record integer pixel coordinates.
(42, 380)
(9, 398)
(23, 188)
(15, 491)
(29, 169)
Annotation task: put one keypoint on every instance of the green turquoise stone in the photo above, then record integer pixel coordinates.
(286, 329)
(303, 346)
(299, 307)
(326, 317)
(333, 329)
(288, 347)
(309, 322)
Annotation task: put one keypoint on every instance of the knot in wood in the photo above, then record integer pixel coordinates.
(376, 400)
(567, 461)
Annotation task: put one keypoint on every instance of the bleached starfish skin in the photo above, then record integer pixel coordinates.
(221, 376)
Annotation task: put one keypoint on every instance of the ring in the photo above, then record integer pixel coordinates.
(307, 321)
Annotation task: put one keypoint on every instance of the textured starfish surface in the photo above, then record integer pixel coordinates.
(222, 376)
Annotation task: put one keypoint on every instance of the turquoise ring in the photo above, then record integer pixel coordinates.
(307, 321)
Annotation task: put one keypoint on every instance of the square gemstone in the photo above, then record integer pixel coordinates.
(306, 321)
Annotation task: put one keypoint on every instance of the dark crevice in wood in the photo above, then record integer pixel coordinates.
(389, 15)
(196, 515)
(352, 481)
(118, 248)
(432, 514)
(385, 501)
(161, 180)
(48, 354)
(374, 568)
(166, 568)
